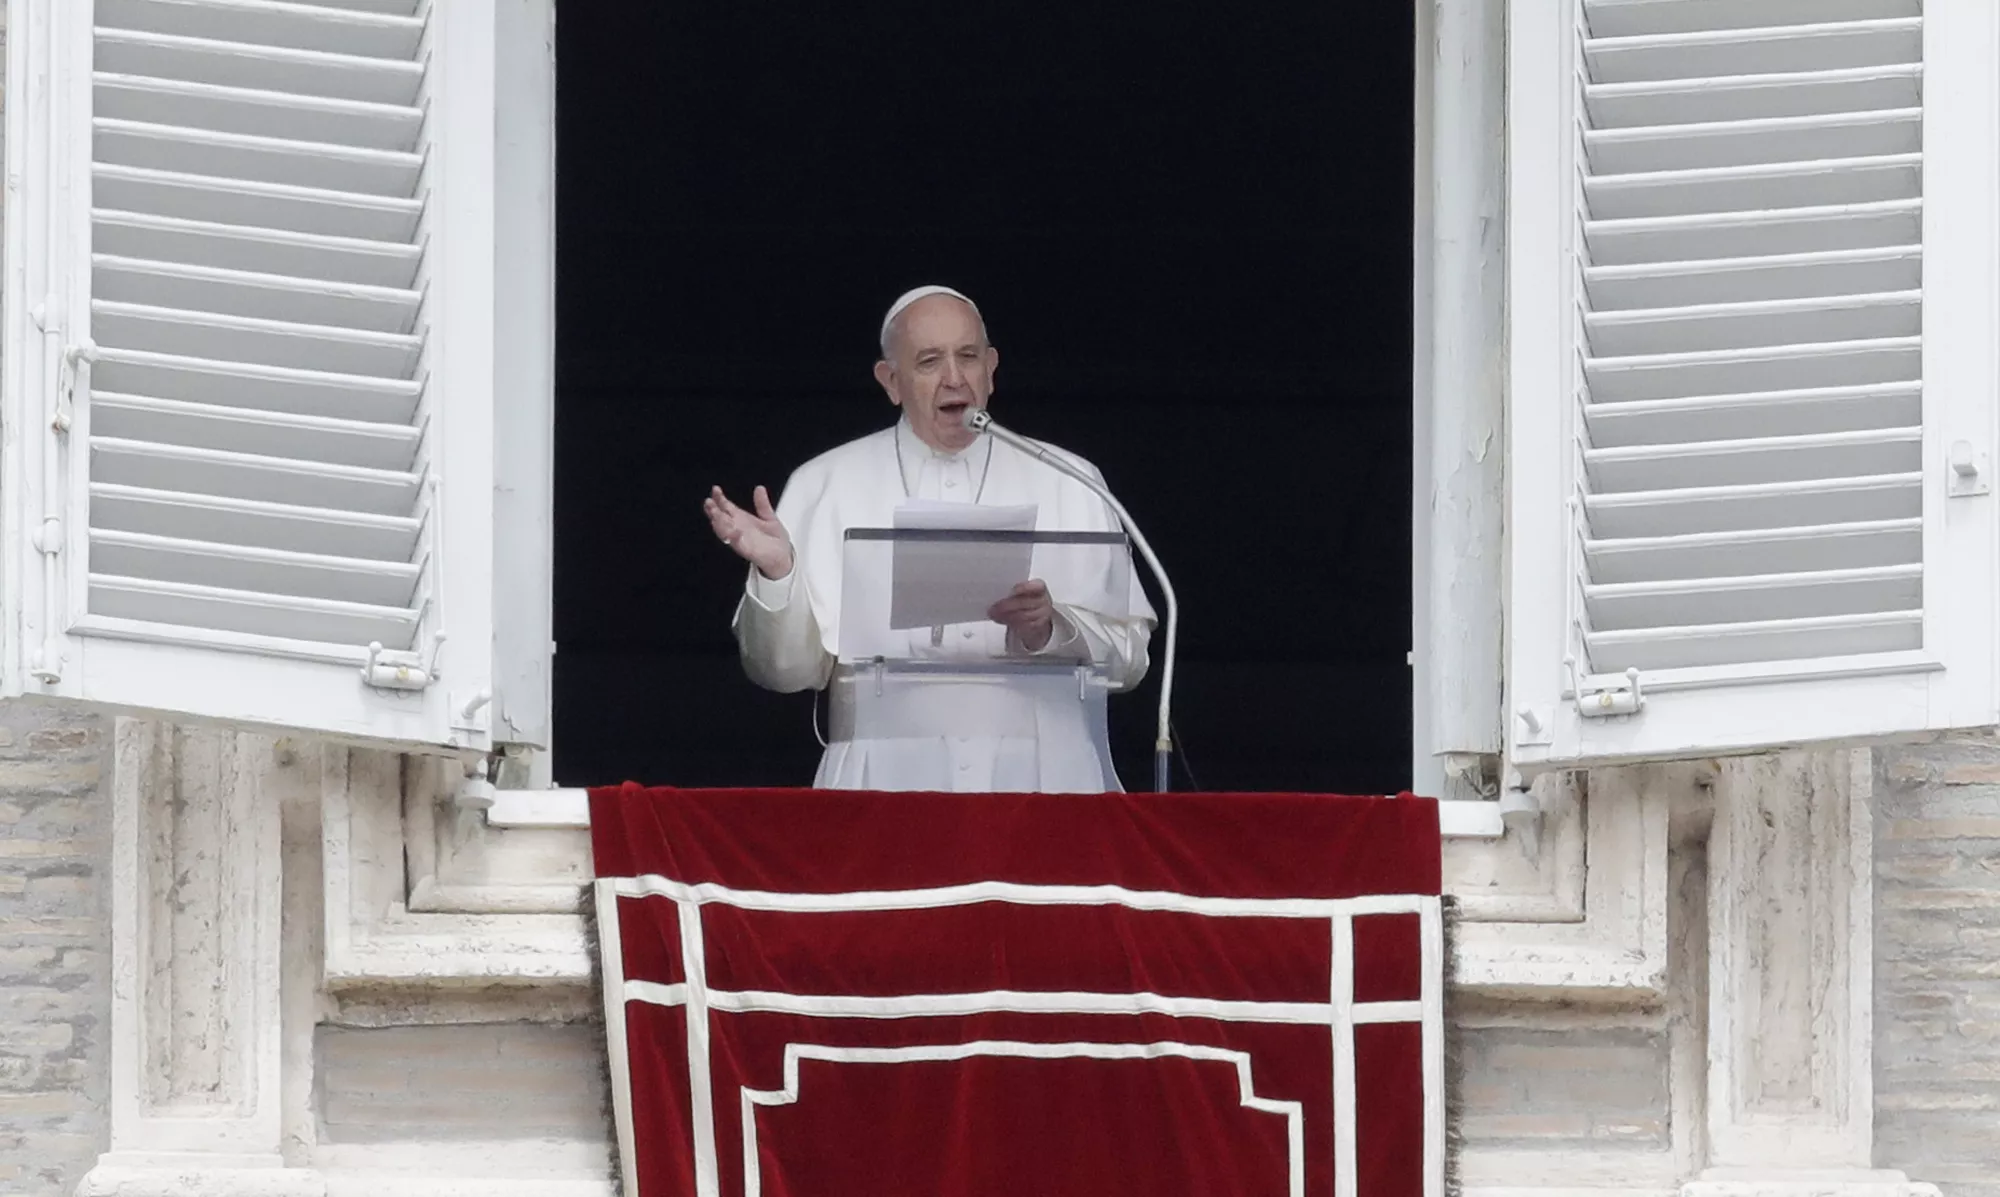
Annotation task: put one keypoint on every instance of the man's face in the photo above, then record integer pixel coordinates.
(939, 365)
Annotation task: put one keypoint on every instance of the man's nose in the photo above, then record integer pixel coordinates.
(953, 374)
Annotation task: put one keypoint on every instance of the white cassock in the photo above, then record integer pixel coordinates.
(787, 629)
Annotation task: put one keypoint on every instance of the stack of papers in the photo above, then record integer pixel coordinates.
(957, 579)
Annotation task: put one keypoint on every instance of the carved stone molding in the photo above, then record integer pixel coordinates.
(196, 1104)
(463, 866)
(1858, 1182)
(1491, 1172)
(417, 897)
(1602, 854)
(1520, 878)
(1790, 971)
(198, 1176)
(378, 932)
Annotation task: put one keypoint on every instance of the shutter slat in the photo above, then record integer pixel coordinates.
(265, 388)
(258, 342)
(1755, 142)
(257, 113)
(242, 293)
(1755, 598)
(1756, 187)
(1757, 324)
(253, 524)
(270, 206)
(1739, 643)
(260, 433)
(1710, 53)
(252, 476)
(393, 8)
(1738, 371)
(1626, 18)
(1758, 551)
(257, 250)
(1760, 414)
(1743, 280)
(1771, 459)
(292, 618)
(1698, 509)
(258, 159)
(1712, 236)
(228, 64)
(264, 571)
(1695, 101)
(265, 23)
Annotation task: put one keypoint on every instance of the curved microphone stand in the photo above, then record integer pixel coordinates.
(1163, 744)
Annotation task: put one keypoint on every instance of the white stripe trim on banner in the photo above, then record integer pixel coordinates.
(611, 957)
(701, 1095)
(1291, 1111)
(1345, 1175)
(1009, 1001)
(1340, 1013)
(653, 885)
(653, 993)
(1431, 998)
(1374, 1012)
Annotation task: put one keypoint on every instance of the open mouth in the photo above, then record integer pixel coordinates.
(954, 409)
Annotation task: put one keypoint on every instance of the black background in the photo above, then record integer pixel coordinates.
(1189, 230)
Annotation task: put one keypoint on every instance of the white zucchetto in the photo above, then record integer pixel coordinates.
(909, 297)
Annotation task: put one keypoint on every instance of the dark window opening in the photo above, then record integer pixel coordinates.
(1189, 229)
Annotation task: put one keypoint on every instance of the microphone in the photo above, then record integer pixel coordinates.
(978, 421)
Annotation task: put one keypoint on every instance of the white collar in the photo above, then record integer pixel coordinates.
(908, 434)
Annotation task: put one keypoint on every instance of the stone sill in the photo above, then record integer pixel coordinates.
(569, 808)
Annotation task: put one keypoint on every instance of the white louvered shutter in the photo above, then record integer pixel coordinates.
(255, 450)
(1752, 307)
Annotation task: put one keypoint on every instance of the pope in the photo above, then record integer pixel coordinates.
(936, 365)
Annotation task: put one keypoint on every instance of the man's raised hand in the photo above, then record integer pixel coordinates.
(756, 536)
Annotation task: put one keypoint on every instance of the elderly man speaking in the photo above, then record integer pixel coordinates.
(936, 365)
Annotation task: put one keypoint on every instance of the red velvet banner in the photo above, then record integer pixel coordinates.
(841, 994)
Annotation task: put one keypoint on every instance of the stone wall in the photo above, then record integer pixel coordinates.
(383, 1083)
(511, 1082)
(1541, 1076)
(1937, 963)
(55, 947)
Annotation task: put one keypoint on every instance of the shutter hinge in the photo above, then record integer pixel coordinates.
(1607, 702)
(76, 363)
(388, 670)
(46, 664)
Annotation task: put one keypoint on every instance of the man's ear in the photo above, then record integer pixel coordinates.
(886, 375)
(992, 364)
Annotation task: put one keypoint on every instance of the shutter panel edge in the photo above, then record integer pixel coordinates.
(1948, 682)
(194, 674)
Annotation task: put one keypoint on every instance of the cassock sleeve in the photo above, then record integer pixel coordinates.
(776, 633)
(1119, 642)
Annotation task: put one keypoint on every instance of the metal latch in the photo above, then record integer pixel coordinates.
(1968, 471)
(1606, 703)
(469, 712)
(387, 670)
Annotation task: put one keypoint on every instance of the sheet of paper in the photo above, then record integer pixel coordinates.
(947, 581)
